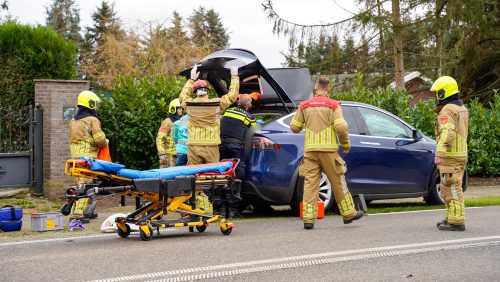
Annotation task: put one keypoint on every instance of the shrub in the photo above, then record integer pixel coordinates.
(484, 137)
(28, 53)
(132, 116)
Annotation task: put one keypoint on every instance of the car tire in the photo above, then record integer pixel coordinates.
(325, 194)
(434, 196)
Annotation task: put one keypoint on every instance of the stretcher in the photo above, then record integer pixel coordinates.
(168, 190)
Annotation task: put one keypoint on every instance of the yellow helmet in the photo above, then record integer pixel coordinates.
(174, 104)
(88, 99)
(445, 86)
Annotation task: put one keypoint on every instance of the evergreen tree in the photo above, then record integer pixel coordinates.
(64, 17)
(207, 29)
(106, 25)
(105, 22)
(218, 36)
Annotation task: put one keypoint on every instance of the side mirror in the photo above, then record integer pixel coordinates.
(417, 135)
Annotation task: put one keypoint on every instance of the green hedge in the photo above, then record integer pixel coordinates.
(28, 53)
(484, 122)
(132, 115)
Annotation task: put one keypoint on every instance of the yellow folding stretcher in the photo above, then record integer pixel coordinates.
(177, 193)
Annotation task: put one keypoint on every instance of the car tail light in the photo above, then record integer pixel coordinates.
(263, 143)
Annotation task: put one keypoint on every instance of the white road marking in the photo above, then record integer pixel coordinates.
(402, 212)
(308, 260)
(26, 242)
(233, 272)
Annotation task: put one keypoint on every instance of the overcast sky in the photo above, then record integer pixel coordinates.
(244, 19)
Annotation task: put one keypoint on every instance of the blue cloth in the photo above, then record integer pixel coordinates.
(180, 134)
(172, 172)
(104, 166)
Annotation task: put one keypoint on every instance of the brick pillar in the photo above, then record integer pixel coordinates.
(58, 101)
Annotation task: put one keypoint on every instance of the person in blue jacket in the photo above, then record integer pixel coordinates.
(180, 137)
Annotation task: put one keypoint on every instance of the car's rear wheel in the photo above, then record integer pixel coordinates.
(325, 193)
(434, 195)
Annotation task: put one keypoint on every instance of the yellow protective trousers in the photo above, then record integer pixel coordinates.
(451, 172)
(200, 154)
(334, 167)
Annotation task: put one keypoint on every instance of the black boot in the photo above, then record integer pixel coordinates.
(452, 227)
(308, 225)
(359, 214)
(441, 222)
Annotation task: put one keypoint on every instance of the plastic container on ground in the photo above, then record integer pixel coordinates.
(46, 221)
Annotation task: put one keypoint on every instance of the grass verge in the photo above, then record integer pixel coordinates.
(32, 203)
(401, 207)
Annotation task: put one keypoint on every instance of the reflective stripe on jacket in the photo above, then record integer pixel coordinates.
(234, 125)
(86, 137)
(164, 142)
(323, 121)
(204, 119)
(451, 131)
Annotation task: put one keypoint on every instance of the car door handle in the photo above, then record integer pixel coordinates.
(370, 143)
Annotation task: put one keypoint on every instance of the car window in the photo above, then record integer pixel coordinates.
(352, 128)
(288, 119)
(382, 125)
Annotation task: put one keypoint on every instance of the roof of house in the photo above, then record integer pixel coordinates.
(411, 76)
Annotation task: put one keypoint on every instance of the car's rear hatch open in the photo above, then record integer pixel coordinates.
(282, 89)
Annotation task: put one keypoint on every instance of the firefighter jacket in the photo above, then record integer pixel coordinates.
(204, 118)
(323, 121)
(451, 131)
(86, 137)
(234, 125)
(164, 141)
(180, 135)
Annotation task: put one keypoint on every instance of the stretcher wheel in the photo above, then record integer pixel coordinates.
(144, 236)
(191, 229)
(124, 234)
(226, 231)
(201, 228)
(66, 209)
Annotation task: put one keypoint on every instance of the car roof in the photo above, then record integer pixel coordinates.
(358, 104)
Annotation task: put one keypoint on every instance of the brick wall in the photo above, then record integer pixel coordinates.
(54, 96)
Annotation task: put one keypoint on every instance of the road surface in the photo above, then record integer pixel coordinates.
(396, 247)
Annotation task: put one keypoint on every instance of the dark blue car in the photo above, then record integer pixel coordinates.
(388, 158)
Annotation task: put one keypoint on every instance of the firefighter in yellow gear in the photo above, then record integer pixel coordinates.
(322, 119)
(164, 139)
(451, 150)
(204, 117)
(204, 121)
(86, 139)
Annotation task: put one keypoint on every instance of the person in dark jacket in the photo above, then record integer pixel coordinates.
(233, 127)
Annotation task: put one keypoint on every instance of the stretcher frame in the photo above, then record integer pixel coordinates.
(163, 196)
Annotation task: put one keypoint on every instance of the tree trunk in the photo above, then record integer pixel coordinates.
(398, 45)
(382, 47)
(439, 38)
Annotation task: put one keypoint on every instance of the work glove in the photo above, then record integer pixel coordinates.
(194, 73)
(162, 157)
(234, 70)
